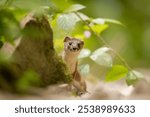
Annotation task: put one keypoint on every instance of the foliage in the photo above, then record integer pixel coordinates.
(84, 69)
(67, 19)
(133, 77)
(116, 72)
(28, 80)
(101, 57)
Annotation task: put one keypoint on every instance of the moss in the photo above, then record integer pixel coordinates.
(61, 73)
(36, 53)
(56, 69)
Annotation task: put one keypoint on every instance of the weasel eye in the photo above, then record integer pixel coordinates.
(70, 43)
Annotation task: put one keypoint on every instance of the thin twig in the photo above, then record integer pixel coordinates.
(86, 23)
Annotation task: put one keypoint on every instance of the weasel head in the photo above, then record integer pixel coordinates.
(73, 45)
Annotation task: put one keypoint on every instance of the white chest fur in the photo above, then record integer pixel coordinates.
(71, 60)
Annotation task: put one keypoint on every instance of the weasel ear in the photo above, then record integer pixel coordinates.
(67, 39)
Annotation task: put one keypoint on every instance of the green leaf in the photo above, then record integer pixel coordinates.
(29, 79)
(62, 5)
(113, 21)
(116, 73)
(75, 7)
(133, 77)
(99, 28)
(103, 21)
(9, 25)
(67, 22)
(84, 69)
(102, 50)
(99, 21)
(101, 57)
(83, 16)
(84, 53)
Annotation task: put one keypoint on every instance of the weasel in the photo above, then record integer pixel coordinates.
(72, 48)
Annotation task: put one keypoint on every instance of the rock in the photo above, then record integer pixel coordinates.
(34, 51)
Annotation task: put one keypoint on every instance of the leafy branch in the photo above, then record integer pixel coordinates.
(66, 21)
(107, 45)
(104, 42)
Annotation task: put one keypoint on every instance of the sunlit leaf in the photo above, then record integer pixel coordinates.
(99, 28)
(75, 7)
(101, 50)
(84, 69)
(83, 16)
(103, 21)
(62, 5)
(99, 21)
(79, 36)
(113, 21)
(84, 53)
(133, 77)
(101, 57)
(58, 45)
(67, 21)
(117, 72)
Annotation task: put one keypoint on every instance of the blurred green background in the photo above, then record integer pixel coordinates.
(132, 41)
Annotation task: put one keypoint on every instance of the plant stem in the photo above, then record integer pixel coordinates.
(86, 23)
(105, 43)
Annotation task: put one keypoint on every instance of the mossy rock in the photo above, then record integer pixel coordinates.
(34, 51)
